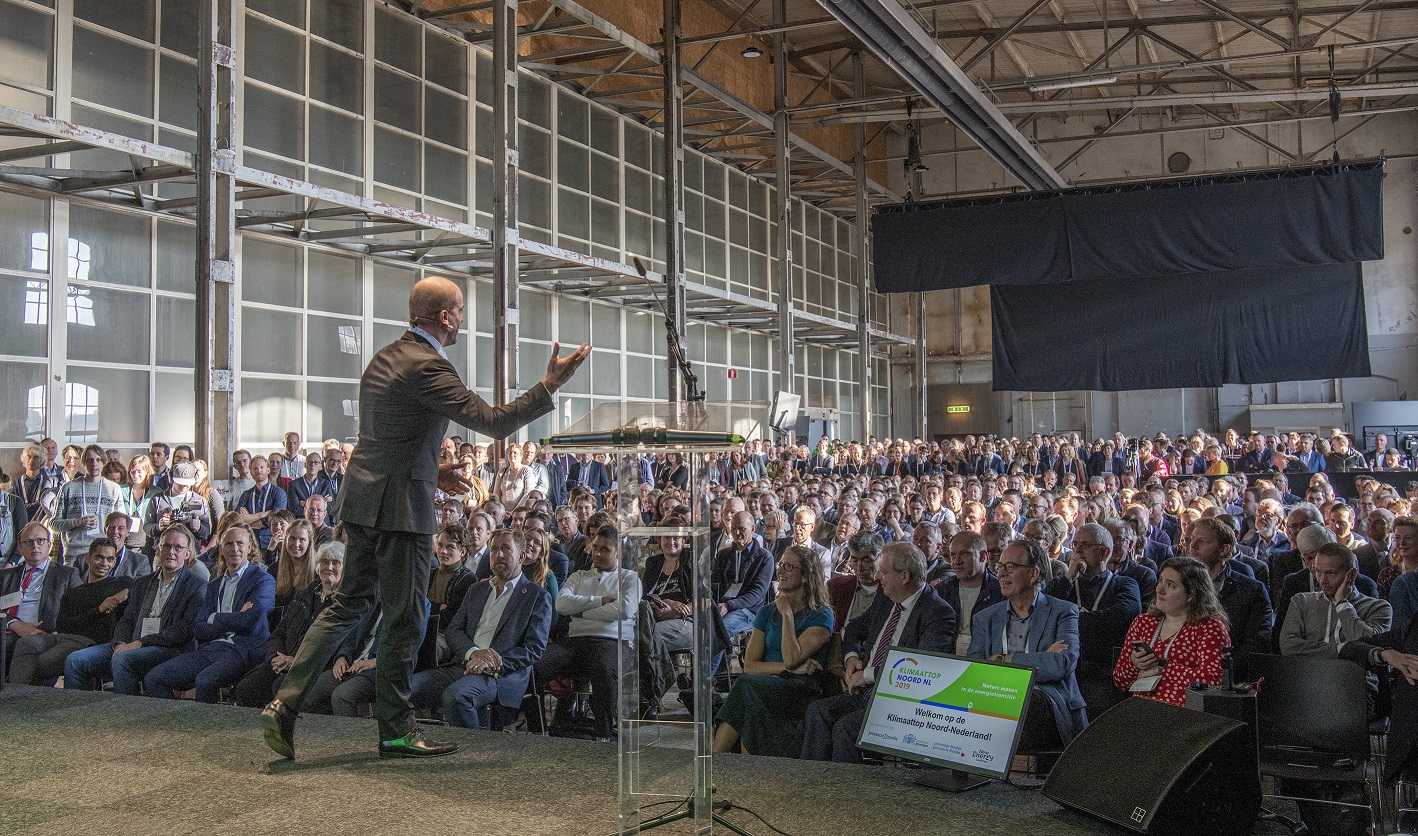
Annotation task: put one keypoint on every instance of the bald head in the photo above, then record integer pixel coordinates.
(436, 305)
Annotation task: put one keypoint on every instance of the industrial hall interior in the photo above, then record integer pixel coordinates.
(1096, 313)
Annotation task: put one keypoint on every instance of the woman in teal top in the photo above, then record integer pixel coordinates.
(763, 713)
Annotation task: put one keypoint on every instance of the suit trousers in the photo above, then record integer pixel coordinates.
(39, 659)
(382, 568)
(209, 668)
(89, 668)
(831, 727)
(258, 686)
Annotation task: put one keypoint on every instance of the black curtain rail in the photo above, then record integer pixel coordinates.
(1253, 175)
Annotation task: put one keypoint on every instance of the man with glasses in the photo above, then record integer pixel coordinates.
(1283, 564)
(1127, 533)
(852, 594)
(804, 522)
(33, 589)
(1107, 603)
(156, 626)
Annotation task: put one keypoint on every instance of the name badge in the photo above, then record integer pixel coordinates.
(150, 626)
(11, 600)
(1146, 684)
(733, 591)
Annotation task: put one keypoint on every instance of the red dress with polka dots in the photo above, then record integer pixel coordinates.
(1193, 655)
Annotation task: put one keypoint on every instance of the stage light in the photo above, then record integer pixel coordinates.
(751, 52)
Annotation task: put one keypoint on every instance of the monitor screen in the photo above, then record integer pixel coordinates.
(965, 714)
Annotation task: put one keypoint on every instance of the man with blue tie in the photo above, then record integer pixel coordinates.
(231, 625)
(499, 632)
(35, 588)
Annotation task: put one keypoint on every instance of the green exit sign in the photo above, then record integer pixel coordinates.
(957, 410)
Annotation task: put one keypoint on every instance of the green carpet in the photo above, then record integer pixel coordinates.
(78, 763)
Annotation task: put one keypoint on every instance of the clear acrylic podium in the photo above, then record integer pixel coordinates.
(657, 766)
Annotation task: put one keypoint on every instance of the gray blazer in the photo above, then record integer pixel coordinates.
(407, 397)
(57, 580)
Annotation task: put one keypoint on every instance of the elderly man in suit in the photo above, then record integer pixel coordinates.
(1032, 629)
(408, 394)
(907, 613)
(156, 626)
(232, 625)
(37, 585)
(496, 636)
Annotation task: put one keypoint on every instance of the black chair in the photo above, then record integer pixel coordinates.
(1314, 739)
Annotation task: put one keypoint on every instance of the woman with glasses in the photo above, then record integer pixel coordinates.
(763, 714)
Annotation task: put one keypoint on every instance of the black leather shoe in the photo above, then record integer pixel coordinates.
(278, 727)
(415, 745)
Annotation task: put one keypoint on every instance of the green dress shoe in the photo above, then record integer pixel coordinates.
(415, 745)
(278, 728)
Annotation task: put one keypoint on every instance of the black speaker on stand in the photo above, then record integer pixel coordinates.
(1158, 769)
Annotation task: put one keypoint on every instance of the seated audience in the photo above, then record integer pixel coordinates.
(1247, 606)
(87, 615)
(231, 626)
(1318, 623)
(971, 588)
(743, 572)
(669, 589)
(498, 633)
(156, 626)
(784, 663)
(851, 595)
(348, 683)
(41, 583)
(907, 613)
(259, 685)
(1179, 639)
(1032, 629)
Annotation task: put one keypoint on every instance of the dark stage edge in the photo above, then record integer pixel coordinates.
(76, 763)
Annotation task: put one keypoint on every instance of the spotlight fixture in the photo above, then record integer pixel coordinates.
(751, 52)
(913, 144)
(1069, 83)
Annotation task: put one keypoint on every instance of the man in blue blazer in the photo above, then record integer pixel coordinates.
(496, 636)
(231, 626)
(1031, 629)
(155, 627)
(906, 613)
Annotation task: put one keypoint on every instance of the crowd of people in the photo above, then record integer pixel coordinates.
(1122, 568)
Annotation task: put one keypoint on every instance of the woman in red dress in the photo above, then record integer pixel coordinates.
(1178, 640)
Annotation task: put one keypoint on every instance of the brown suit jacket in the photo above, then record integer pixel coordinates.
(407, 397)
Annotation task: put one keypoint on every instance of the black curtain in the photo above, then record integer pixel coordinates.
(1185, 330)
(1293, 218)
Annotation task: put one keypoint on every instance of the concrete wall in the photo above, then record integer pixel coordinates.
(958, 336)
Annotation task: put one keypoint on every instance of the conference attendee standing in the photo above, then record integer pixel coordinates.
(408, 394)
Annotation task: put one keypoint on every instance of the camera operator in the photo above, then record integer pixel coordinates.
(178, 505)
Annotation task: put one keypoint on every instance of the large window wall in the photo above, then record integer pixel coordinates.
(358, 97)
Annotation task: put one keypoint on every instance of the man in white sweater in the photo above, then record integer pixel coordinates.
(602, 603)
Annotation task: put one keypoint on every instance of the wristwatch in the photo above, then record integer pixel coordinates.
(1376, 656)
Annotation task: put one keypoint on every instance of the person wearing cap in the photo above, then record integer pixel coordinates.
(179, 504)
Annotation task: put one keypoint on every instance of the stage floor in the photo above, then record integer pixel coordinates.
(76, 763)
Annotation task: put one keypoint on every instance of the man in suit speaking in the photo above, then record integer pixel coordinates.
(407, 396)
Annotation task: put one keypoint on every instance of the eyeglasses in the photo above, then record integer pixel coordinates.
(34, 541)
(1014, 567)
(793, 566)
(172, 547)
(1078, 545)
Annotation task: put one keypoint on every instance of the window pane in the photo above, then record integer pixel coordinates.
(177, 332)
(334, 408)
(605, 324)
(24, 236)
(108, 247)
(605, 178)
(107, 326)
(286, 11)
(341, 21)
(275, 55)
(572, 120)
(335, 283)
(446, 118)
(179, 27)
(108, 404)
(336, 77)
(535, 315)
(22, 400)
(25, 39)
(605, 373)
(531, 363)
(336, 140)
(447, 61)
(573, 213)
(573, 166)
(573, 321)
(131, 17)
(391, 291)
(24, 304)
(398, 40)
(112, 72)
(533, 201)
(640, 377)
(178, 99)
(274, 122)
(270, 341)
(174, 416)
(534, 151)
(271, 273)
(396, 159)
(397, 100)
(177, 257)
(269, 409)
(605, 131)
(446, 177)
(335, 347)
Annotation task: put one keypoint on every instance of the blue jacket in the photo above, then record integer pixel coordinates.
(520, 639)
(251, 628)
(1403, 594)
(1052, 620)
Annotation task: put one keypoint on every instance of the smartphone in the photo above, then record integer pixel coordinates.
(1140, 647)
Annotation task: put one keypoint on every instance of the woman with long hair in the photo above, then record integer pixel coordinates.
(764, 711)
(136, 496)
(1178, 640)
(536, 561)
(294, 566)
(216, 506)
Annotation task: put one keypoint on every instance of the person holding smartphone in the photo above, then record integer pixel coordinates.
(1179, 640)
